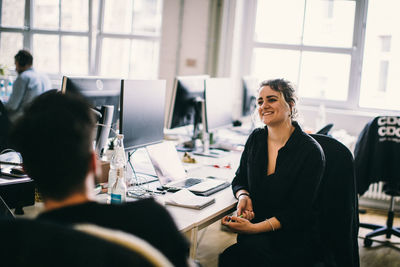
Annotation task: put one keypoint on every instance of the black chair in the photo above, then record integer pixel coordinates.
(377, 156)
(388, 229)
(326, 129)
(5, 126)
(337, 207)
(36, 243)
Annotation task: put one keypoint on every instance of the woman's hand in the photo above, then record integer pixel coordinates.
(240, 225)
(245, 207)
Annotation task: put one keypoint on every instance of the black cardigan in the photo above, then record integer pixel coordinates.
(289, 194)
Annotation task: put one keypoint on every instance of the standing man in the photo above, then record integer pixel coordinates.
(54, 137)
(28, 85)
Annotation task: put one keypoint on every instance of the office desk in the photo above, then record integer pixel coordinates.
(191, 221)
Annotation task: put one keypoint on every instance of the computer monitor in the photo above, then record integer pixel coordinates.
(250, 87)
(218, 103)
(185, 105)
(142, 112)
(98, 91)
(103, 94)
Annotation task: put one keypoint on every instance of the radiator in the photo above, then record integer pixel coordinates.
(375, 196)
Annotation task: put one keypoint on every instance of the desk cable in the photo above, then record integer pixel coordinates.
(139, 189)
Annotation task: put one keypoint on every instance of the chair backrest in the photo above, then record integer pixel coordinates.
(129, 241)
(5, 125)
(338, 205)
(26, 242)
(326, 129)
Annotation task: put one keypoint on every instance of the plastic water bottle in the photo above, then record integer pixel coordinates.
(116, 176)
(2, 89)
(9, 88)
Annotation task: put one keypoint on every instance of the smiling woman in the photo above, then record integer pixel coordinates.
(276, 185)
(276, 102)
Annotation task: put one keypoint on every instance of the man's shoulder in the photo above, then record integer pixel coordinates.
(89, 209)
(28, 74)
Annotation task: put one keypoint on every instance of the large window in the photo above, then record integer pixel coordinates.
(380, 86)
(129, 36)
(324, 48)
(307, 42)
(84, 37)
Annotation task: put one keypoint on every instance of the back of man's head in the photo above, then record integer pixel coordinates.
(24, 58)
(54, 137)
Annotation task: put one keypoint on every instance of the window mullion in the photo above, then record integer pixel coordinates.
(28, 24)
(99, 38)
(358, 52)
(91, 64)
(130, 40)
(59, 37)
(301, 43)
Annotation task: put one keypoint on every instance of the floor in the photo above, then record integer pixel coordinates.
(213, 240)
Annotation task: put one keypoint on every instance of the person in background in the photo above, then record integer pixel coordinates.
(54, 137)
(28, 85)
(276, 185)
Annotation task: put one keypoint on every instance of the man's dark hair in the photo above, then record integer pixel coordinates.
(54, 137)
(24, 58)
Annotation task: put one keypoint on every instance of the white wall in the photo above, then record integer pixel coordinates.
(184, 42)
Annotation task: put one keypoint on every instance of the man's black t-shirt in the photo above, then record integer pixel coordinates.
(143, 218)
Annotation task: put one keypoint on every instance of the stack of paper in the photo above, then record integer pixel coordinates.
(185, 198)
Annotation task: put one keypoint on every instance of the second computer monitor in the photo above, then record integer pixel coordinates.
(98, 91)
(185, 106)
(250, 87)
(142, 112)
(218, 102)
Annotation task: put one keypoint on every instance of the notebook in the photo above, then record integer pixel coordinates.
(185, 198)
(172, 174)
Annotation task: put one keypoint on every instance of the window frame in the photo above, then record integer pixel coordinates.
(95, 35)
(29, 31)
(356, 53)
(130, 36)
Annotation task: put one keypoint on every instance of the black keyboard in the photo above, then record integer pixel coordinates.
(192, 181)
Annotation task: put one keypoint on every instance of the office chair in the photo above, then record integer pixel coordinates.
(377, 156)
(127, 240)
(326, 129)
(36, 243)
(5, 125)
(337, 207)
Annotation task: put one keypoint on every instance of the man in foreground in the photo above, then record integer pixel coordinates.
(54, 137)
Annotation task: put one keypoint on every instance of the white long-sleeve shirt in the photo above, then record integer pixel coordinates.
(27, 86)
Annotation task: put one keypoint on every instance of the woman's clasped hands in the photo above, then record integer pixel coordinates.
(241, 223)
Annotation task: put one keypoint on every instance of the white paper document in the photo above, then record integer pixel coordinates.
(185, 198)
